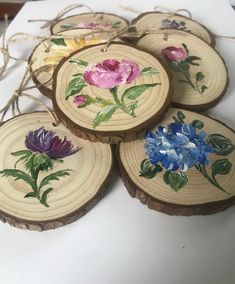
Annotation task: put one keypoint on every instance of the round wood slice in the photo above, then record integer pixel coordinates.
(97, 20)
(101, 118)
(153, 21)
(201, 61)
(198, 195)
(50, 52)
(72, 195)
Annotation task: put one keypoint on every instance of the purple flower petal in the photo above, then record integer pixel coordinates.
(47, 142)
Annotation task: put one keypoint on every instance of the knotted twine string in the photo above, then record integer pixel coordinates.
(49, 23)
(13, 102)
(5, 49)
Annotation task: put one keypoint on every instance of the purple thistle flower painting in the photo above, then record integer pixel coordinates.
(44, 150)
(47, 142)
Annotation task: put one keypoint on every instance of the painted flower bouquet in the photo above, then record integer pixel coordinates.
(173, 24)
(179, 60)
(91, 25)
(181, 146)
(44, 150)
(108, 74)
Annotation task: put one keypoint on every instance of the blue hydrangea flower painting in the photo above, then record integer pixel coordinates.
(181, 146)
(44, 150)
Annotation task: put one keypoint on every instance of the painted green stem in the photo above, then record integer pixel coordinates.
(120, 104)
(188, 79)
(211, 179)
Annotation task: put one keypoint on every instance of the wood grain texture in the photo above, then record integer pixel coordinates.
(72, 197)
(97, 17)
(198, 197)
(153, 21)
(152, 104)
(216, 79)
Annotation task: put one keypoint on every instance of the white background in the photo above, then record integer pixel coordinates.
(121, 240)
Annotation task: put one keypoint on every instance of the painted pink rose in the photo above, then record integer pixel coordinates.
(79, 101)
(111, 73)
(172, 53)
(91, 25)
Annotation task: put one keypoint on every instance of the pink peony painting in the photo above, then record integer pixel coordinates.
(109, 74)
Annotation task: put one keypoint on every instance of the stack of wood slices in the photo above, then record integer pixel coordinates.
(140, 98)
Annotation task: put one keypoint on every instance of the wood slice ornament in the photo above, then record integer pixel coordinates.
(183, 166)
(96, 20)
(110, 94)
(49, 177)
(157, 21)
(198, 85)
(48, 53)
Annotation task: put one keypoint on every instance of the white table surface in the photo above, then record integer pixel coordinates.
(121, 240)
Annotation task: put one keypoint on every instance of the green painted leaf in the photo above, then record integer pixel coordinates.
(31, 194)
(203, 88)
(176, 66)
(182, 23)
(221, 167)
(133, 106)
(53, 177)
(66, 26)
(104, 115)
(116, 24)
(43, 199)
(79, 62)
(190, 59)
(181, 116)
(184, 66)
(148, 170)
(39, 162)
(200, 76)
(222, 145)
(19, 175)
(148, 71)
(75, 86)
(133, 92)
(21, 153)
(185, 47)
(176, 180)
(197, 124)
(58, 41)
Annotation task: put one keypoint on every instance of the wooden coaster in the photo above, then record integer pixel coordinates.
(198, 85)
(113, 95)
(49, 177)
(184, 166)
(99, 20)
(156, 21)
(48, 53)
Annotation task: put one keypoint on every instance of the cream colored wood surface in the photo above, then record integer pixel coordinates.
(90, 168)
(211, 65)
(198, 190)
(149, 103)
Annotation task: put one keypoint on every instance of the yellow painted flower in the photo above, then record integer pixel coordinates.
(58, 52)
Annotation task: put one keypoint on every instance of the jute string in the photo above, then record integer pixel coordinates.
(49, 23)
(13, 102)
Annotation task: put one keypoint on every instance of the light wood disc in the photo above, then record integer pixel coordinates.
(153, 21)
(47, 54)
(150, 99)
(72, 195)
(215, 80)
(97, 20)
(198, 195)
